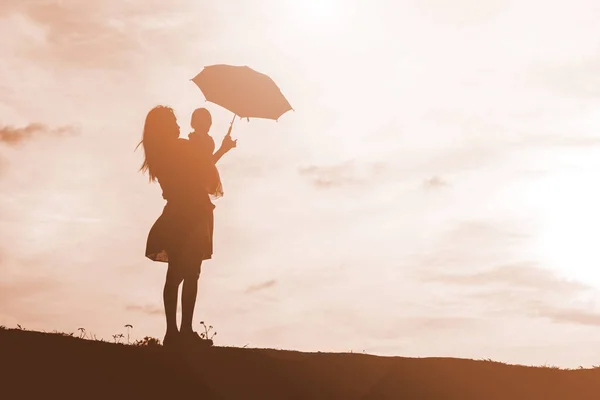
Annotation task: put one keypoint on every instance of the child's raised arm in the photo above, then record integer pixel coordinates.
(227, 144)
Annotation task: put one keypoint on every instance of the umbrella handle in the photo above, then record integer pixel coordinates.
(231, 125)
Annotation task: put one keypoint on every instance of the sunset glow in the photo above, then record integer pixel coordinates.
(433, 193)
(317, 15)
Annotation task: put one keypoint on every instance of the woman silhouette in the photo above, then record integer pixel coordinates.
(182, 235)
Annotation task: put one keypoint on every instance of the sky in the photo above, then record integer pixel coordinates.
(432, 193)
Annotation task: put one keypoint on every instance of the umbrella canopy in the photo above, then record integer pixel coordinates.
(243, 91)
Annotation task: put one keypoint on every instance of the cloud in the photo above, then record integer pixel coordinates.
(557, 140)
(541, 303)
(261, 286)
(523, 275)
(342, 174)
(579, 79)
(513, 151)
(480, 263)
(107, 34)
(146, 309)
(11, 291)
(466, 245)
(437, 323)
(434, 182)
(570, 316)
(523, 288)
(12, 136)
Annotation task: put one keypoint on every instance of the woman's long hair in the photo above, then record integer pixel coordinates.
(160, 129)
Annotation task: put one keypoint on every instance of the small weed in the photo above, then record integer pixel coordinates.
(550, 366)
(117, 337)
(148, 341)
(82, 334)
(128, 326)
(205, 334)
(55, 332)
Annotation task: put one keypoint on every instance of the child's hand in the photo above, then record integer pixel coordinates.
(228, 143)
(194, 137)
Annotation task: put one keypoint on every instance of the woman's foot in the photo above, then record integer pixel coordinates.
(171, 339)
(194, 339)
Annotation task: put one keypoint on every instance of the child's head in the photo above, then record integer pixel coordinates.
(201, 120)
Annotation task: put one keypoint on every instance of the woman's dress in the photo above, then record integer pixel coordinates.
(184, 230)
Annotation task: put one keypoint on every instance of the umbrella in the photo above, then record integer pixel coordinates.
(243, 91)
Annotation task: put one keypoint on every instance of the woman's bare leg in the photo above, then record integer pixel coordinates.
(188, 300)
(170, 292)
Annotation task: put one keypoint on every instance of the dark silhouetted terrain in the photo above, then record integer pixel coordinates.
(51, 366)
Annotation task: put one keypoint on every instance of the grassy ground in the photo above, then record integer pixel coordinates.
(56, 366)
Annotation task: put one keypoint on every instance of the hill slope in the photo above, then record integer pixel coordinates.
(36, 365)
